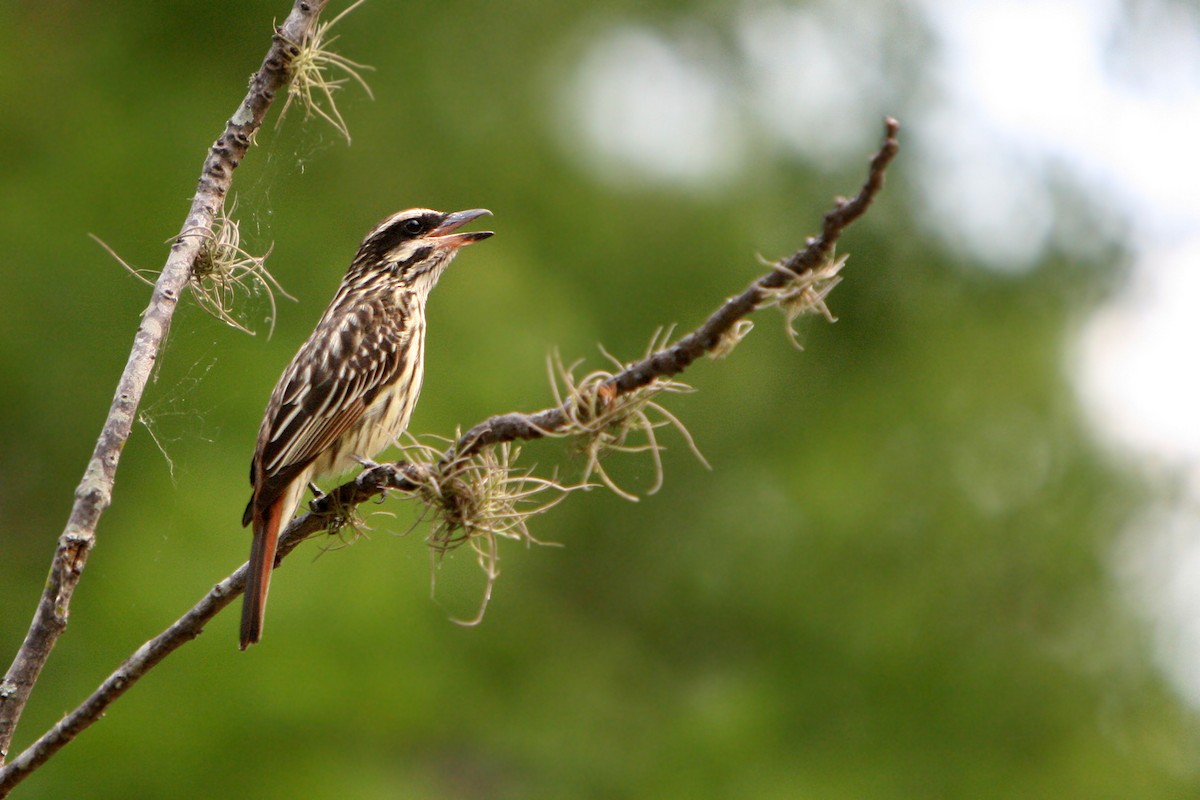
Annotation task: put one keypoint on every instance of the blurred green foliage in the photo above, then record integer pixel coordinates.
(892, 584)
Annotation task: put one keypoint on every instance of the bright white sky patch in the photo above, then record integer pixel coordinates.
(1114, 103)
(1000, 97)
(981, 195)
(1111, 102)
(815, 75)
(650, 109)
(1158, 564)
(1032, 69)
(1139, 378)
(1137, 364)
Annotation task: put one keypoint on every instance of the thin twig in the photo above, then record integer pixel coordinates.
(94, 493)
(709, 336)
(330, 508)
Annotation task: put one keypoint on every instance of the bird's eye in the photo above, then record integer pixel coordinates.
(413, 226)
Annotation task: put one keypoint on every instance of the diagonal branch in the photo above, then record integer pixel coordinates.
(330, 509)
(705, 339)
(94, 493)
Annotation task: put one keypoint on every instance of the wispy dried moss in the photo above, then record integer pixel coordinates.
(477, 501)
(602, 421)
(312, 84)
(222, 272)
(804, 293)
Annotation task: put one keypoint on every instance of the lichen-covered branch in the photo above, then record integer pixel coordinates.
(708, 337)
(800, 270)
(94, 493)
(801, 277)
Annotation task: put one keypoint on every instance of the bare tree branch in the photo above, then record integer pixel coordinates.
(94, 493)
(186, 628)
(329, 511)
(705, 339)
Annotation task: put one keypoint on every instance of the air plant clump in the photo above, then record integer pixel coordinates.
(223, 270)
(601, 420)
(478, 500)
(311, 85)
(344, 522)
(731, 339)
(804, 293)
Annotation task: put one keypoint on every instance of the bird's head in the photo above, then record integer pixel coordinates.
(416, 245)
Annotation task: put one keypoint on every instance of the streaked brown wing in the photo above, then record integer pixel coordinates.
(324, 393)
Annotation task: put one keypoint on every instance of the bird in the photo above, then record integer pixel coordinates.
(351, 387)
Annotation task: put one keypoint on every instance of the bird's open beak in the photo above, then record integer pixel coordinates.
(444, 233)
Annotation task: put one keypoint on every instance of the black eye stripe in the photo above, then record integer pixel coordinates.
(420, 254)
(397, 232)
(384, 243)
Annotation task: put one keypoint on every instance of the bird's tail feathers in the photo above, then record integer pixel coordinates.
(258, 578)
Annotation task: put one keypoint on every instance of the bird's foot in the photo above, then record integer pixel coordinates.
(317, 494)
(365, 463)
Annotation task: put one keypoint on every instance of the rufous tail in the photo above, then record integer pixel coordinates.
(258, 579)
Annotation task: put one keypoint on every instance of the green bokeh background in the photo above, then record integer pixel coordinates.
(894, 582)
